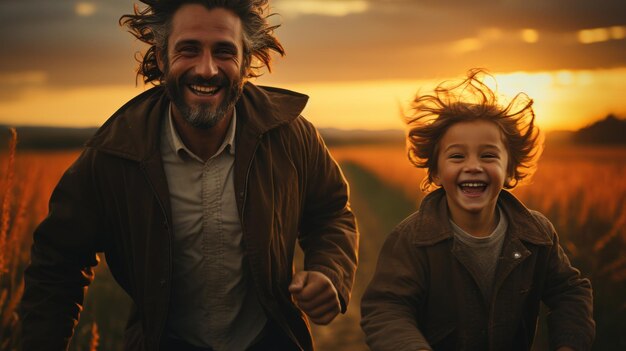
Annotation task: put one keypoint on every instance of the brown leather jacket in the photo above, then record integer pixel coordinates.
(424, 293)
(114, 199)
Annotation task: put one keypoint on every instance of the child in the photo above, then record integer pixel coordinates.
(469, 269)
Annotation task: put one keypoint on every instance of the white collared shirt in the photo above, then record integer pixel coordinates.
(213, 303)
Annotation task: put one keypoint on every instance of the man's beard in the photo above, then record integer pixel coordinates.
(203, 116)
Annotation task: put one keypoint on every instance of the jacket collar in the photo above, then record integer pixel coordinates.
(433, 225)
(133, 132)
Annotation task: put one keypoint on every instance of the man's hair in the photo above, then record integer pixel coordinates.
(152, 25)
(472, 100)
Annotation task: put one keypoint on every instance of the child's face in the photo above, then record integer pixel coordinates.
(472, 168)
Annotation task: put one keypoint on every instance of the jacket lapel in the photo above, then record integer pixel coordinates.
(513, 254)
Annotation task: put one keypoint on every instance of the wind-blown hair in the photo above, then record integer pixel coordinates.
(472, 100)
(152, 25)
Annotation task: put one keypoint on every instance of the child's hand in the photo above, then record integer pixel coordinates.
(316, 296)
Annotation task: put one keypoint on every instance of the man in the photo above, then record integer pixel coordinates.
(197, 191)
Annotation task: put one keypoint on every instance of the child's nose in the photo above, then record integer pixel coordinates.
(473, 165)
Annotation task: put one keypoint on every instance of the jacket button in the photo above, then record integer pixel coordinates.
(162, 282)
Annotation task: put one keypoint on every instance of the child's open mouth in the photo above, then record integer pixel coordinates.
(473, 188)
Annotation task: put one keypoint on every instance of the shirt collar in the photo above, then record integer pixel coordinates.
(431, 222)
(179, 146)
(498, 231)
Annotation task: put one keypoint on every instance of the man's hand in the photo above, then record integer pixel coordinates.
(316, 296)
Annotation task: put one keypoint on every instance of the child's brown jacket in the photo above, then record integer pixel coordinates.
(424, 295)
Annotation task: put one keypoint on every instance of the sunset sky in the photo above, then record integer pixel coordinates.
(360, 61)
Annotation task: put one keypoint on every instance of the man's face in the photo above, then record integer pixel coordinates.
(203, 68)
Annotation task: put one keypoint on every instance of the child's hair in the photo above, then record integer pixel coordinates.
(472, 100)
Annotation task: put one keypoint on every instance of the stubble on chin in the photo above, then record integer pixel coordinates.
(204, 116)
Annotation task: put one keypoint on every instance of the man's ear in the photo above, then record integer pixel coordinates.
(159, 59)
(245, 65)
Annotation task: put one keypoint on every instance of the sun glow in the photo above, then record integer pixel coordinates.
(81, 107)
(85, 9)
(28, 77)
(318, 7)
(465, 45)
(568, 99)
(563, 99)
(529, 35)
(595, 35)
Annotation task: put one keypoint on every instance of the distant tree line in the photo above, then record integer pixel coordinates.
(609, 131)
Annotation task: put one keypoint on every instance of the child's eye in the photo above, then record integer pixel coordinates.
(456, 156)
(490, 156)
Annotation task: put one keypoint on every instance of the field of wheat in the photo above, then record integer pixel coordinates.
(581, 189)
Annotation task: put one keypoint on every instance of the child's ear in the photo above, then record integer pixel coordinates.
(508, 180)
(436, 180)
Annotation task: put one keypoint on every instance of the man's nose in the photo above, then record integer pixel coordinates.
(207, 66)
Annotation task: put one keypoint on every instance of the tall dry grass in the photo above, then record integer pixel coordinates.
(25, 187)
(10, 287)
(6, 201)
(580, 189)
(387, 162)
(95, 337)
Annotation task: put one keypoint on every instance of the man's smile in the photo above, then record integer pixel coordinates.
(204, 90)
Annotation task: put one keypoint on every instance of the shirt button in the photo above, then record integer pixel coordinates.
(517, 255)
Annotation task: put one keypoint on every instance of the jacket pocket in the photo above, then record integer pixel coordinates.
(134, 339)
(443, 338)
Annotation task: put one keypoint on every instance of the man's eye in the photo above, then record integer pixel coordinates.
(188, 50)
(224, 53)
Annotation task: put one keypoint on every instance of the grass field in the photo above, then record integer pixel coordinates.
(581, 189)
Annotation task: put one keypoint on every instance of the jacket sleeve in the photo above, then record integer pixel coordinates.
(328, 230)
(391, 302)
(62, 256)
(569, 299)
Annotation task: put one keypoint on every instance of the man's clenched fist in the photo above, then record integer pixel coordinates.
(316, 296)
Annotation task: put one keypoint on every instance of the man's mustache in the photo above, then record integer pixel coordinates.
(217, 80)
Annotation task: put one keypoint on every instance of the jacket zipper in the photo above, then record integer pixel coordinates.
(245, 185)
(243, 209)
